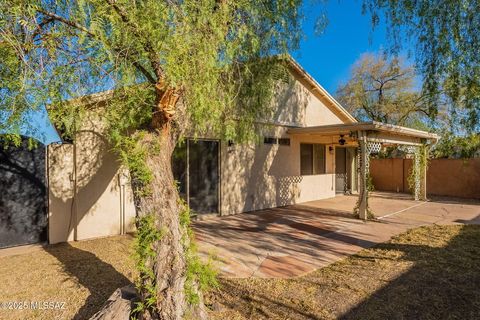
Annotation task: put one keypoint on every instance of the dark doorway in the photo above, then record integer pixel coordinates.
(196, 168)
(23, 195)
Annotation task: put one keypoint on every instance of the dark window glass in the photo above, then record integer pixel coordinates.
(306, 157)
(312, 159)
(203, 176)
(318, 159)
(284, 141)
(270, 140)
(195, 167)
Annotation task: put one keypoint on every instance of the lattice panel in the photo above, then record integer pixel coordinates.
(408, 149)
(373, 147)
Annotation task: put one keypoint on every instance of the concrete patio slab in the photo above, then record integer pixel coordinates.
(294, 240)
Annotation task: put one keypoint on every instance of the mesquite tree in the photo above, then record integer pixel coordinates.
(196, 65)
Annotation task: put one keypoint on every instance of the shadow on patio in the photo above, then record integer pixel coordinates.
(297, 239)
(282, 242)
(427, 273)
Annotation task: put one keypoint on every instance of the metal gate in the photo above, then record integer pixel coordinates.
(23, 195)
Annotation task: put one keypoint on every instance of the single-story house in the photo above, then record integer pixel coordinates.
(311, 148)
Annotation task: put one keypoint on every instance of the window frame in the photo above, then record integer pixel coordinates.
(312, 160)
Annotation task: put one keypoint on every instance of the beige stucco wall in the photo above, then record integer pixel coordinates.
(94, 200)
(258, 176)
(295, 105)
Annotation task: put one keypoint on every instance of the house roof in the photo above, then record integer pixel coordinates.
(303, 76)
(372, 127)
(310, 83)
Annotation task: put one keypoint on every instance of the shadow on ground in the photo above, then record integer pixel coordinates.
(444, 282)
(99, 277)
(426, 273)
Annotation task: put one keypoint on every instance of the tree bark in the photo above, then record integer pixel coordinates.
(163, 201)
(169, 265)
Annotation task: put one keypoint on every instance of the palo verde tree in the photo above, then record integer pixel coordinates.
(174, 67)
(382, 89)
(446, 43)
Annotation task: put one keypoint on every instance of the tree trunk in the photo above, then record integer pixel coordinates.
(162, 201)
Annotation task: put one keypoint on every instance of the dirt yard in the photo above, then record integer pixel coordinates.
(427, 273)
(79, 277)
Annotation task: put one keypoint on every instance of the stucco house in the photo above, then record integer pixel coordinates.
(310, 149)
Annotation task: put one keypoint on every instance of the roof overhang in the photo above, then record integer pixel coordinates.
(376, 131)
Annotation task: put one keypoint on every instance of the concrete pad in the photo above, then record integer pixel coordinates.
(294, 240)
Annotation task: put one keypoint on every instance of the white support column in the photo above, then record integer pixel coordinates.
(417, 169)
(423, 176)
(363, 190)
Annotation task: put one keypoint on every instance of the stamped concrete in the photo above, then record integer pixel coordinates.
(294, 240)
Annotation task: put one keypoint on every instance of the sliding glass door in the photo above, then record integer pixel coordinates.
(196, 168)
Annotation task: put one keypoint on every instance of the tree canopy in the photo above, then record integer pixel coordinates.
(209, 51)
(382, 89)
(446, 46)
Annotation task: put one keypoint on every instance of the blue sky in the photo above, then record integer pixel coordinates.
(327, 57)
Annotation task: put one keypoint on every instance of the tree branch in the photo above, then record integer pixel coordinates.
(154, 58)
(70, 23)
(53, 16)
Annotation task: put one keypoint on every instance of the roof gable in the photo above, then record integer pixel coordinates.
(318, 91)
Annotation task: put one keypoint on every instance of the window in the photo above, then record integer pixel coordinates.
(279, 141)
(269, 140)
(312, 159)
(284, 141)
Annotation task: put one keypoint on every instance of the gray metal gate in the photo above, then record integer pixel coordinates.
(23, 195)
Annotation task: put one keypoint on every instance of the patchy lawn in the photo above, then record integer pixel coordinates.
(427, 273)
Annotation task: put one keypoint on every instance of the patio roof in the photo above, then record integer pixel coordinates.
(376, 131)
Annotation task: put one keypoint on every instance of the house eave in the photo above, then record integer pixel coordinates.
(371, 127)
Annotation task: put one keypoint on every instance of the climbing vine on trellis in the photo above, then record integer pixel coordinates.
(371, 147)
(420, 161)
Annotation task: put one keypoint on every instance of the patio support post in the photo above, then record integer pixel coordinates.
(423, 176)
(417, 172)
(363, 192)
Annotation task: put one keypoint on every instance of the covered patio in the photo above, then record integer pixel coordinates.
(369, 138)
(294, 240)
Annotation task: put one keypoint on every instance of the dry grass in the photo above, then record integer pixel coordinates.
(82, 275)
(427, 273)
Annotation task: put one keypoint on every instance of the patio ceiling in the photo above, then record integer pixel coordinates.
(375, 131)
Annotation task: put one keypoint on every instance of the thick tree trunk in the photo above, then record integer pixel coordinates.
(162, 201)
